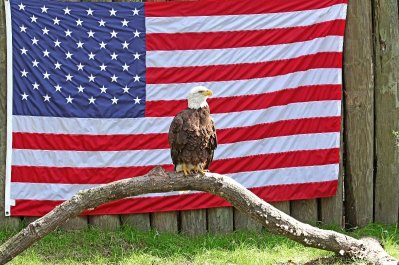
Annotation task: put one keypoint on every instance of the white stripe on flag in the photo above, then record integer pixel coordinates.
(281, 176)
(247, 87)
(207, 57)
(130, 158)
(243, 22)
(37, 124)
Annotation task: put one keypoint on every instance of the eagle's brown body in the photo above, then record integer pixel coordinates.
(192, 138)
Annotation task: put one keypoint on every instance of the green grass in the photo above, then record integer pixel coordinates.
(127, 246)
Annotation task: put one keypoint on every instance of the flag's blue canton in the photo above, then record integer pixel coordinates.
(78, 59)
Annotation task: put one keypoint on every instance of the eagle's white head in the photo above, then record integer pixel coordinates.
(197, 97)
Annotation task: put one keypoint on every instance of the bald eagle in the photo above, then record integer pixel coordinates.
(192, 134)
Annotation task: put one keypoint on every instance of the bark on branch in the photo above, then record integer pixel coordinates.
(158, 180)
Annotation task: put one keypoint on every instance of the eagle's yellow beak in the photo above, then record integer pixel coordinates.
(207, 93)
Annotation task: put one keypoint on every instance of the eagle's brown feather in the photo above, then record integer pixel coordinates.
(192, 137)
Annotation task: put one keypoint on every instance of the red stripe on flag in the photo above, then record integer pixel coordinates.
(82, 142)
(76, 175)
(236, 39)
(230, 7)
(277, 160)
(163, 75)
(69, 175)
(163, 108)
(77, 142)
(183, 202)
(280, 128)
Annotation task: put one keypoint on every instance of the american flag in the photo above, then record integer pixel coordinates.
(93, 87)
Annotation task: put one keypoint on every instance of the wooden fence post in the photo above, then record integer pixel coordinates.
(243, 222)
(5, 222)
(359, 114)
(305, 210)
(332, 208)
(165, 221)
(193, 222)
(220, 220)
(386, 200)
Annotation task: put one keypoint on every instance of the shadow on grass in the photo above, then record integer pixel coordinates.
(128, 246)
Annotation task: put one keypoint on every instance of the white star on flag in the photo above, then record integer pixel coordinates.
(35, 63)
(33, 19)
(112, 12)
(57, 43)
(45, 31)
(44, 9)
(46, 75)
(102, 45)
(91, 34)
(68, 55)
(24, 73)
(91, 78)
(69, 99)
(136, 34)
(137, 100)
(125, 67)
(69, 77)
(103, 67)
(114, 78)
(103, 89)
(68, 33)
(91, 56)
(23, 28)
(80, 44)
(34, 41)
(35, 86)
(46, 98)
(21, 6)
(114, 100)
(46, 53)
(80, 66)
(67, 11)
(23, 51)
(57, 65)
(89, 12)
(114, 56)
(24, 96)
(56, 21)
(135, 11)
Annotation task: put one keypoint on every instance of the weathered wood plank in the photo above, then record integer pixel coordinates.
(75, 223)
(8, 222)
(220, 220)
(193, 222)
(359, 114)
(386, 198)
(243, 222)
(105, 222)
(282, 206)
(332, 208)
(304, 210)
(165, 221)
(140, 221)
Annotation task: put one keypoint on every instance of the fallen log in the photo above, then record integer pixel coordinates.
(158, 180)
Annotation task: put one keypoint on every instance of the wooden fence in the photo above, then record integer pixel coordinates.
(369, 183)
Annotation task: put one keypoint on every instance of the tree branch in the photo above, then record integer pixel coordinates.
(158, 180)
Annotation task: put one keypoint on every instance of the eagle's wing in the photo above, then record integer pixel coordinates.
(174, 137)
(213, 143)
